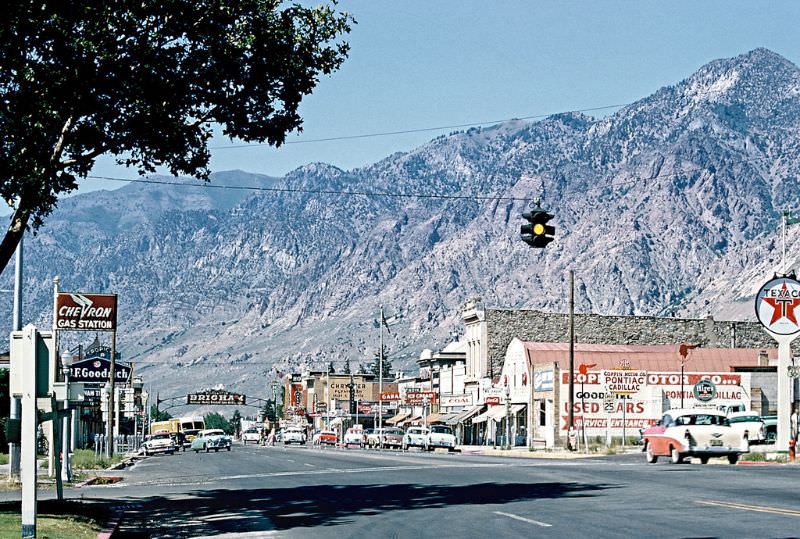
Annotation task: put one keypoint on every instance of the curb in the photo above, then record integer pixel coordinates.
(111, 526)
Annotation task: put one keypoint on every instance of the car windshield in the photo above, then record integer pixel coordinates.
(164, 436)
(251, 431)
(441, 429)
(744, 419)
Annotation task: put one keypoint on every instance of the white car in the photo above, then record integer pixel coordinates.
(702, 433)
(251, 435)
(354, 436)
(294, 435)
(441, 436)
(160, 442)
(749, 425)
(416, 437)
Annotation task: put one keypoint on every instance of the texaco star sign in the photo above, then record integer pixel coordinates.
(778, 306)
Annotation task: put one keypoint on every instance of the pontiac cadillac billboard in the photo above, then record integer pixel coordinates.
(86, 312)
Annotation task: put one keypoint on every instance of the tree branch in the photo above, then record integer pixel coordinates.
(59, 147)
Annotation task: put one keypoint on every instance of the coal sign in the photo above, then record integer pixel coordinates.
(215, 397)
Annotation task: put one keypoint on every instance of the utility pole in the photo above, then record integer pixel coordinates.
(16, 403)
(380, 380)
(571, 430)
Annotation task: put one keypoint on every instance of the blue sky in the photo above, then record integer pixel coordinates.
(420, 64)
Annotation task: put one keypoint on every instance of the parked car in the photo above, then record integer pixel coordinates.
(209, 439)
(702, 433)
(160, 442)
(749, 425)
(354, 436)
(327, 437)
(771, 427)
(390, 436)
(441, 436)
(180, 441)
(251, 435)
(294, 435)
(416, 437)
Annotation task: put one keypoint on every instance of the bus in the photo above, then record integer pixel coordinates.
(191, 425)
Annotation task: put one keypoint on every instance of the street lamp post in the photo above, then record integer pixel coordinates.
(66, 469)
(383, 322)
(508, 416)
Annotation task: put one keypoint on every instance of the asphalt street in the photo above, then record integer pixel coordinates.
(257, 491)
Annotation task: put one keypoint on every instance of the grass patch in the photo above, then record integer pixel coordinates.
(55, 520)
(762, 457)
(84, 459)
(3, 458)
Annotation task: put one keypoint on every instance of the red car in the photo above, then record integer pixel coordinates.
(328, 437)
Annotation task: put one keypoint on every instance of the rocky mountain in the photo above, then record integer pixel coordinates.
(668, 207)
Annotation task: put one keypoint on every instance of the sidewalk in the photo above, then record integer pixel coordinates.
(525, 452)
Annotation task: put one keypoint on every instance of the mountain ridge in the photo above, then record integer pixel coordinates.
(667, 206)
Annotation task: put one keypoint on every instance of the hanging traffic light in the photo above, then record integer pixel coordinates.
(537, 233)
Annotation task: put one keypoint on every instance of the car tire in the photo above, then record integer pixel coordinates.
(676, 456)
(216, 450)
(229, 448)
(196, 450)
(704, 460)
(733, 458)
(649, 455)
(405, 447)
(207, 448)
(146, 452)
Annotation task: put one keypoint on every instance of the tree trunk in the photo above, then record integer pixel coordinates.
(19, 221)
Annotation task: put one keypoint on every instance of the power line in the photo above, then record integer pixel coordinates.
(379, 194)
(417, 130)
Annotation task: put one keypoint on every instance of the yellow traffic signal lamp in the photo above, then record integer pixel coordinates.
(537, 233)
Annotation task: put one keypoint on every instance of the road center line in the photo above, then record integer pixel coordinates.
(523, 519)
(745, 507)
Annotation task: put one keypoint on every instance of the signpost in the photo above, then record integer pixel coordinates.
(90, 312)
(623, 383)
(776, 308)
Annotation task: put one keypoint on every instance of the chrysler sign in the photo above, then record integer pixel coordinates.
(86, 312)
(215, 397)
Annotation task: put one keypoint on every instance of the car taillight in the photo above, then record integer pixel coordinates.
(746, 435)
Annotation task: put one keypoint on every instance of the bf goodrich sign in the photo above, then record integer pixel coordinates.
(87, 312)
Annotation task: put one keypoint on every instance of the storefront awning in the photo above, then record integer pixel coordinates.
(466, 414)
(435, 418)
(495, 413)
(398, 418)
(417, 419)
(517, 408)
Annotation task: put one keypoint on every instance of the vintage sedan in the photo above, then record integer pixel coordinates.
(209, 439)
(251, 435)
(160, 442)
(327, 437)
(441, 436)
(702, 433)
(416, 437)
(749, 425)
